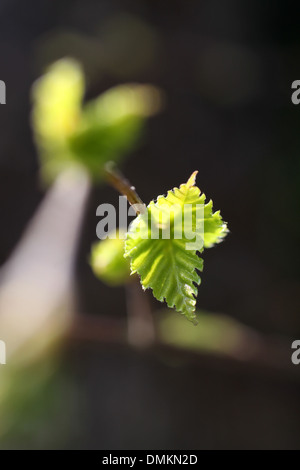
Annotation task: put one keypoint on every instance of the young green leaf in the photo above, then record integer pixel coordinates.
(112, 124)
(108, 262)
(69, 133)
(57, 101)
(163, 245)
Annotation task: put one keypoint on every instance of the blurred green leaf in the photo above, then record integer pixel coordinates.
(108, 262)
(217, 333)
(111, 125)
(69, 134)
(57, 99)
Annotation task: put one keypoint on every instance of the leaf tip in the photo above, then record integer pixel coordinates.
(192, 179)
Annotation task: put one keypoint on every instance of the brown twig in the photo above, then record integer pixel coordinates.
(121, 184)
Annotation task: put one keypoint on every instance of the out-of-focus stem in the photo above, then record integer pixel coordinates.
(141, 332)
(140, 327)
(37, 282)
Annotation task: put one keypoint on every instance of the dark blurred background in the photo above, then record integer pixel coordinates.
(226, 69)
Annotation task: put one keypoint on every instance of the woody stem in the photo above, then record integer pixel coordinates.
(121, 184)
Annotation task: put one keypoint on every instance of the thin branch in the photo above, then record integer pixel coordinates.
(121, 184)
(256, 352)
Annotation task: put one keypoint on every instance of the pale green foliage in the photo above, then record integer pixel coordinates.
(111, 125)
(108, 262)
(218, 334)
(69, 133)
(165, 264)
(57, 99)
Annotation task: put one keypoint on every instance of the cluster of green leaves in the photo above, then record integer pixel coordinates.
(71, 133)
